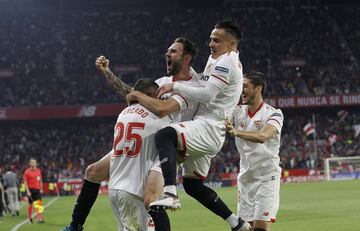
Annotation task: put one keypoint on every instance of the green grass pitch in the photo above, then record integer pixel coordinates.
(331, 206)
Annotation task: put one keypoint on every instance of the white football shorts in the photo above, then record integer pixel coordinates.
(201, 139)
(259, 200)
(129, 211)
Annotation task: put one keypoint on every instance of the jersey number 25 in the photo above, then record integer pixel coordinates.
(130, 135)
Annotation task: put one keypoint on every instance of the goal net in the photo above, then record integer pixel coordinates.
(342, 168)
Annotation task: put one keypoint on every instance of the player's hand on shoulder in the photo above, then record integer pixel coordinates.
(102, 63)
(166, 88)
(132, 96)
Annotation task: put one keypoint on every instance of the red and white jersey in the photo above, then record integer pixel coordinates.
(134, 152)
(258, 161)
(226, 73)
(188, 107)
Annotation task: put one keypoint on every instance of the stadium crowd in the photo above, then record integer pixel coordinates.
(65, 147)
(52, 60)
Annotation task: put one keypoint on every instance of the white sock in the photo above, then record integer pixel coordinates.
(170, 189)
(233, 220)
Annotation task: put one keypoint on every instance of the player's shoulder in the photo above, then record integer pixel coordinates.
(163, 80)
(271, 111)
(228, 61)
(136, 111)
(239, 110)
(230, 57)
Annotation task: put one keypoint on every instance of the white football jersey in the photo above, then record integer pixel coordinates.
(258, 161)
(134, 152)
(188, 107)
(226, 73)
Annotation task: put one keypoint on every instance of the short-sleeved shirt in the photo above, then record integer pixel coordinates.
(225, 72)
(134, 153)
(258, 161)
(188, 107)
(33, 178)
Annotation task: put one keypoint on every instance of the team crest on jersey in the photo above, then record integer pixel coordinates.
(242, 124)
(258, 124)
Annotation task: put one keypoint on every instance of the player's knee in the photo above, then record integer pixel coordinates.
(261, 225)
(167, 134)
(149, 197)
(93, 173)
(147, 200)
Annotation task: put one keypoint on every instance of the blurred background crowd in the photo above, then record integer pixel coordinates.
(47, 58)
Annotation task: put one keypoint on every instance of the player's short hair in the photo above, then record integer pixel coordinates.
(146, 86)
(257, 79)
(232, 28)
(190, 47)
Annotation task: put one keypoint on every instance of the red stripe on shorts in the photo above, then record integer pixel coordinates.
(200, 176)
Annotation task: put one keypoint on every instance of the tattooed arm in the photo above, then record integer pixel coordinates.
(112, 80)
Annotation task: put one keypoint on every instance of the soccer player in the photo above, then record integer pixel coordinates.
(203, 137)
(134, 159)
(257, 136)
(34, 188)
(179, 57)
(11, 189)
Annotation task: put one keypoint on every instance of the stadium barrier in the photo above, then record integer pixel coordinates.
(105, 110)
(73, 186)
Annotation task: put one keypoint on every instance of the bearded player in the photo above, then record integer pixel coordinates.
(257, 134)
(203, 137)
(179, 57)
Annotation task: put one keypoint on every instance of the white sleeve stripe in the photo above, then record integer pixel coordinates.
(219, 78)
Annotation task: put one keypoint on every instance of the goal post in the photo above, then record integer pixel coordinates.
(342, 168)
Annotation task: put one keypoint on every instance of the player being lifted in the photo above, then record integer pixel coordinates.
(134, 160)
(179, 57)
(203, 137)
(257, 136)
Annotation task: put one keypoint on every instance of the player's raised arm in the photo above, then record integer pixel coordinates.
(112, 80)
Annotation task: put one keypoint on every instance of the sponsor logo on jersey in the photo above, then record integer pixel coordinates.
(204, 78)
(222, 69)
(266, 214)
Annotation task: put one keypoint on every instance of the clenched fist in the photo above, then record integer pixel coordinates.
(102, 63)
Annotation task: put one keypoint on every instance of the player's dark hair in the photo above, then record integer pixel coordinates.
(190, 47)
(257, 79)
(146, 86)
(232, 28)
